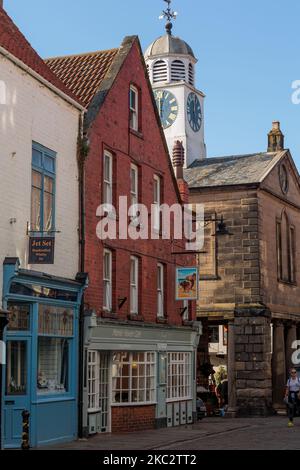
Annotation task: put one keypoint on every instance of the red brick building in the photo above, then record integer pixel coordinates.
(139, 342)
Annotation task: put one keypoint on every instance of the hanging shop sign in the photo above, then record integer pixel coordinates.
(41, 250)
(187, 283)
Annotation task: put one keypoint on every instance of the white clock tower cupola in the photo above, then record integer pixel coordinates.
(171, 67)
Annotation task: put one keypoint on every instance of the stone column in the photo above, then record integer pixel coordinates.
(231, 373)
(278, 364)
(290, 339)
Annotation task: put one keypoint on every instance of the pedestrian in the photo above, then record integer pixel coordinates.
(292, 396)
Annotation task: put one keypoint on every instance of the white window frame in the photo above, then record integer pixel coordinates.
(108, 182)
(93, 381)
(179, 386)
(134, 285)
(134, 190)
(149, 362)
(157, 202)
(134, 108)
(160, 290)
(107, 282)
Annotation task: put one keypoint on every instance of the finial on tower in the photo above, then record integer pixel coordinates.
(169, 15)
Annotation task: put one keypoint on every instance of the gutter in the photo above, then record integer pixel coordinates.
(41, 79)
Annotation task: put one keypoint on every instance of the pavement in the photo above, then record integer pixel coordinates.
(270, 433)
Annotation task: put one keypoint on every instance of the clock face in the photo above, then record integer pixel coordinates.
(167, 107)
(194, 112)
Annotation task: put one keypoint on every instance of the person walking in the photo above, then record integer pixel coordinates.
(292, 396)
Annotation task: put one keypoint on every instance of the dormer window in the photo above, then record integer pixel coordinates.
(177, 71)
(160, 72)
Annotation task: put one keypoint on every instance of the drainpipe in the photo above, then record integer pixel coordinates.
(82, 153)
(3, 323)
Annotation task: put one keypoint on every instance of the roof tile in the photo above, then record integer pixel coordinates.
(83, 73)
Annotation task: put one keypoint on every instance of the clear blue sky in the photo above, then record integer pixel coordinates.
(249, 55)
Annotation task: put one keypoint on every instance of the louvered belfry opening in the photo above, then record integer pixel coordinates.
(160, 72)
(191, 75)
(177, 71)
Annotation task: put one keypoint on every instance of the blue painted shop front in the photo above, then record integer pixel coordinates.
(41, 373)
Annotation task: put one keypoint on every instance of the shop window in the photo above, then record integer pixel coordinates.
(43, 189)
(55, 330)
(179, 376)
(93, 381)
(53, 365)
(16, 368)
(133, 378)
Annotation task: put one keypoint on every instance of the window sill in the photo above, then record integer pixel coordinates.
(134, 317)
(136, 133)
(111, 315)
(287, 283)
(187, 323)
(174, 400)
(161, 320)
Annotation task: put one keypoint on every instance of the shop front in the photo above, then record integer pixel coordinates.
(138, 376)
(41, 373)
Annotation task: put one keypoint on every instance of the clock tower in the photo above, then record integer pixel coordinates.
(171, 67)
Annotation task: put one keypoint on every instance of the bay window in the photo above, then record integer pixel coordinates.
(133, 377)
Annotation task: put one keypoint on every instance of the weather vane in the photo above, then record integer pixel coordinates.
(169, 15)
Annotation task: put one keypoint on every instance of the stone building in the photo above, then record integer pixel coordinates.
(249, 277)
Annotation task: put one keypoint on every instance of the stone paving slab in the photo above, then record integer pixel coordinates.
(209, 434)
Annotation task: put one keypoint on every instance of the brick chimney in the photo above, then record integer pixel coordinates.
(1, 3)
(275, 138)
(178, 164)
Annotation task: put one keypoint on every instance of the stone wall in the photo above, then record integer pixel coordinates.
(253, 372)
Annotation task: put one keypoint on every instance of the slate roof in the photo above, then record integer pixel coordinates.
(83, 73)
(14, 42)
(228, 171)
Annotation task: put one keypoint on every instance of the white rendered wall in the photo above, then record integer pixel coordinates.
(31, 112)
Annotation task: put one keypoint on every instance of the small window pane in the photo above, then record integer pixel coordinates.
(49, 164)
(19, 318)
(48, 211)
(55, 321)
(36, 158)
